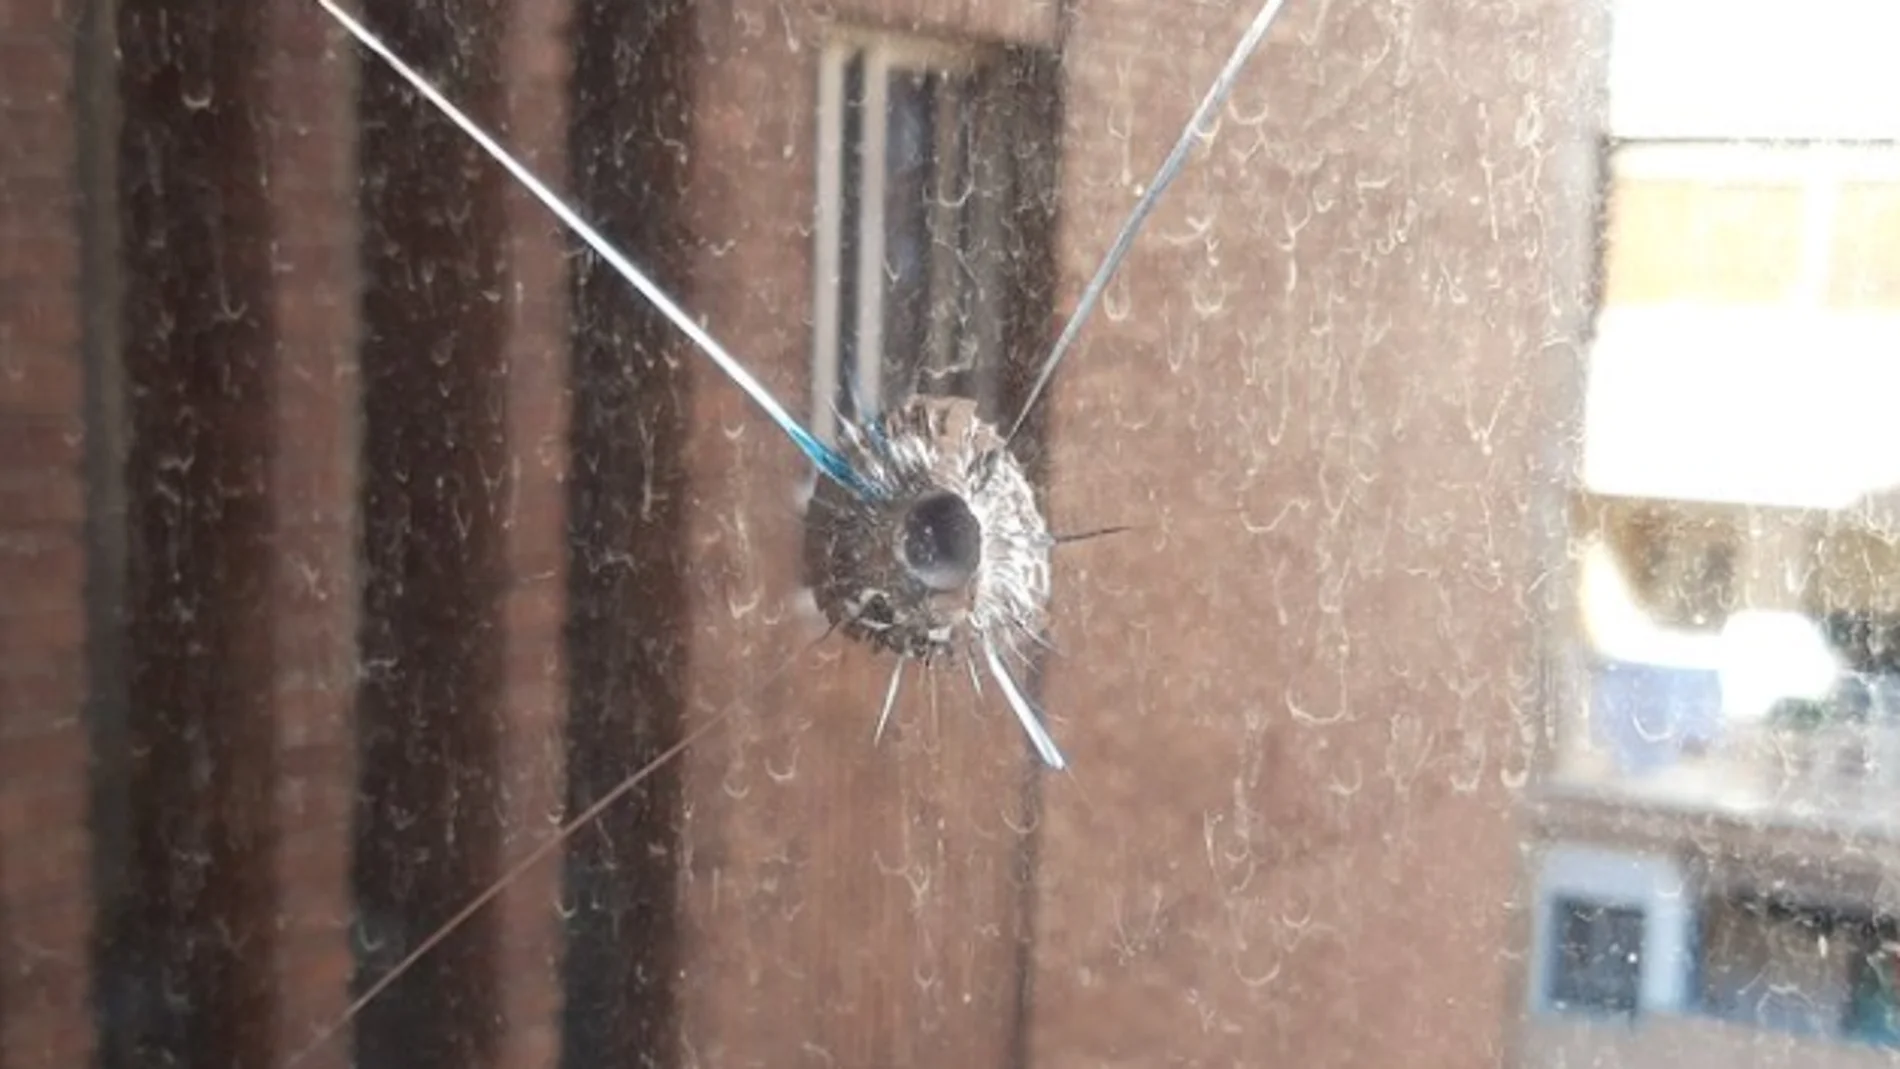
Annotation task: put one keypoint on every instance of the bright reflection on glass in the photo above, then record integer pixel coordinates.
(1723, 809)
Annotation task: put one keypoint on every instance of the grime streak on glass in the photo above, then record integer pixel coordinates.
(929, 541)
(369, 540)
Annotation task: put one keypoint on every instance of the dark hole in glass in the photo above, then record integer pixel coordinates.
(943, 542)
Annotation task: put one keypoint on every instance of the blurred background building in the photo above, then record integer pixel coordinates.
(1501, 668)
(1718, 831)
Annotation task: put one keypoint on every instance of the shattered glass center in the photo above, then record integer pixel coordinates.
(951, 553)
(942, 541)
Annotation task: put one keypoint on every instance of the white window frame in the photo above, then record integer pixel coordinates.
(1659, 886)
(1820, 171)
(883, 54)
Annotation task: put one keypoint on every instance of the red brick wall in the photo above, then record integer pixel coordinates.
(1280, 729)
(1283, 723)
(1290, 833)
(464, 371)
(311, 160)
(45, 919)
(535, 57)
(628, 639)
(269, 590)
(235, 262)
(843, 903)
(1028, 22)
(315, 161)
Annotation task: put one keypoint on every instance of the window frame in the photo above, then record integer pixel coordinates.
(884, 54)
(1658, 886)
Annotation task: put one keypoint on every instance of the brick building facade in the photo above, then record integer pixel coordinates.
(42, 627)
(324, 609)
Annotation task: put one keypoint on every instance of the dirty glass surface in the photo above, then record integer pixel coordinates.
(703, 581)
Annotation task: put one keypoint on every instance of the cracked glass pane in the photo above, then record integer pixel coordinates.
(948, 533)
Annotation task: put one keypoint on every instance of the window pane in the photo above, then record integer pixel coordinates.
(1600, 963)
(1865, 273)
(1711, 242)
(911, 175)
(1468, 650)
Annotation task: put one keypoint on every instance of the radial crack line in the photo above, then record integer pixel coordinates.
(827, 459)
(890, 700)
(1177, 158)
(536, 856)
(1024, 709)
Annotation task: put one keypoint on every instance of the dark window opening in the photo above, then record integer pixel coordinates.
(429, 705)
(1598, 966)
(1807, 968)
